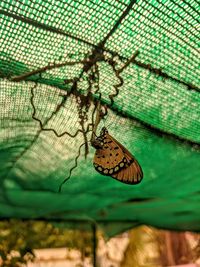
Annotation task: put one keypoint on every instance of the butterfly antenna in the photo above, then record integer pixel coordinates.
(94, 134)
(111, 122)
(70, 172)
(104, 122)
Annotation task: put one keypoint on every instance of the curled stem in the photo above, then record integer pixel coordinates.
(70, 172)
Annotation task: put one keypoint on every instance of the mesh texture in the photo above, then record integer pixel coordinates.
(156, 114)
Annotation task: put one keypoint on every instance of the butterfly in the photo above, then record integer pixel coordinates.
(113, 159)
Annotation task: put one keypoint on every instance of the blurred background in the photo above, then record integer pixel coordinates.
(42, 244)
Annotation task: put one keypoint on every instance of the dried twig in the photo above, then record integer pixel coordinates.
(117, 72)
(70, 172)
(90, 67)
(131, 60)
(160, 73)
(42, 127)
(50, 66)
(97, 120)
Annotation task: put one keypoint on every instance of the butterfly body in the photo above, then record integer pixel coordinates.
(113, 159)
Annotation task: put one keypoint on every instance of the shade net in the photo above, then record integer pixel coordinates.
(58, 59)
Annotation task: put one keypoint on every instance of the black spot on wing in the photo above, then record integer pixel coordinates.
(109, 142)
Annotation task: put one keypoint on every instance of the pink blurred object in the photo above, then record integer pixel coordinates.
(185, 265)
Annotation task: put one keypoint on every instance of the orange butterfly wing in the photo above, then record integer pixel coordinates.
(132, 174)
(113, 159)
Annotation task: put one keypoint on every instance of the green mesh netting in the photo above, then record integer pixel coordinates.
(48, 54)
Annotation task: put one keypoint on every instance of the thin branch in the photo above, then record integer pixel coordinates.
(129, 61)
(43, 26)
(50, 66)
(112, 63)
(70, 172)
(43, 125)
(97, 120)
(160, 73)
(154, 70)
(118, 22)
(117, 73)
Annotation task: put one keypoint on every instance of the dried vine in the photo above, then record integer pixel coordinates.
(83, 101)
(70, 171)
(50, 66)
(42, 126)
(117, 72)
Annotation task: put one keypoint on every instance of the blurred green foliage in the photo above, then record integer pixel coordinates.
(19, 238)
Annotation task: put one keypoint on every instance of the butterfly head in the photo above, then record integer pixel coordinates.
(103, 131)
(99, 141)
